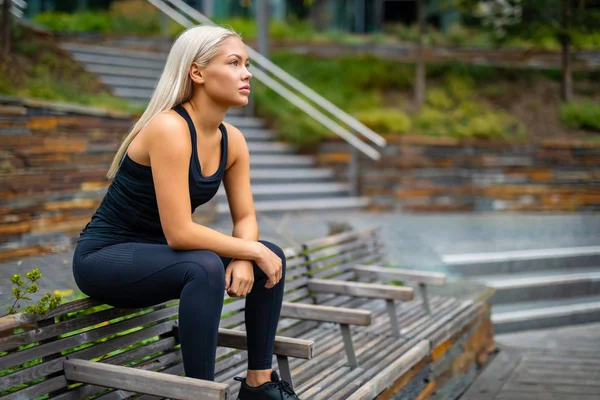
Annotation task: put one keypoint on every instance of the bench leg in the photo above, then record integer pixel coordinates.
(391, 308)
(284, 369)
(348, 346)
(424, 298)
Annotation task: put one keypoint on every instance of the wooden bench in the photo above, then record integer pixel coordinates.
(343, 334)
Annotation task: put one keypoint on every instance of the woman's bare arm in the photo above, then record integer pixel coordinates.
(169, 148)
(237, 186)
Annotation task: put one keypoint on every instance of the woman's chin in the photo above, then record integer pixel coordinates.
(241, 102)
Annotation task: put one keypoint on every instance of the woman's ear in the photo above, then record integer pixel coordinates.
(196, 73)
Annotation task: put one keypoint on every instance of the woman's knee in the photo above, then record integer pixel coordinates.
(205, 265)
(277, 250)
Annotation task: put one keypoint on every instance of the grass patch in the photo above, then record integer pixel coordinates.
(38, 68)
(581, 115)
(361, 85)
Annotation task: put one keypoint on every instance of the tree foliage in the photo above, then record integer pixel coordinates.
(526, 19)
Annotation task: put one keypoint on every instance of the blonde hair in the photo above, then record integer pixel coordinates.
(199, 44)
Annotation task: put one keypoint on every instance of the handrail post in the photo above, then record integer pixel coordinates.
(354, 171)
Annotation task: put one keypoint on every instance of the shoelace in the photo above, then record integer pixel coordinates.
(285, 387)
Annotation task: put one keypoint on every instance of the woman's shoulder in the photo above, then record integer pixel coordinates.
(167, 128)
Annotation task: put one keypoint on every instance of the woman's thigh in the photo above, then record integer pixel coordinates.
(141, 274)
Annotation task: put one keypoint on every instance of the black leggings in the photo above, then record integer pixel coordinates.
(132, 275)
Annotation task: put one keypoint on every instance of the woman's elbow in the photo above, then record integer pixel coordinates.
(178, 240)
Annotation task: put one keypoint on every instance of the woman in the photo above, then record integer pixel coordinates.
(141, 247)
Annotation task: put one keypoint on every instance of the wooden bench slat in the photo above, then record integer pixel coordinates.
(285, 346)
(12, 342)
(86, 337)
(361, 243)
(326, 313)
(377, 384)
(39, 389)
(335, 239)
(340, 258)
(141, 381)
(49, 367)
(346, 266)
(361, 289)
(429, 278)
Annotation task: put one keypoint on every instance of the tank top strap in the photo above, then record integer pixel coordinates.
(224, 147)
(179, 109)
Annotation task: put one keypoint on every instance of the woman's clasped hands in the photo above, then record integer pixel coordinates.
(239, 275)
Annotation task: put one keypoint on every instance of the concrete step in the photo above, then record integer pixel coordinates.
(295, 174)
(129, 82)
(272, 191)
(110, 70)
(506, 262)
(269, 148)
(132, 94)
(545, 314)
(120, 61)
(281, 161)
(255, 134)
(113, 51)
(243, 123)
(337, 203)
(540, 285)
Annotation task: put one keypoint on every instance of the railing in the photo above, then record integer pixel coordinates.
(18, 7)
(187, 16)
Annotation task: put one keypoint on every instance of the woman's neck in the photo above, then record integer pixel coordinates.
(206, 115)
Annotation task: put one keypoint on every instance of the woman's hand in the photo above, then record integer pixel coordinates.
(242, 272)
(270, 264)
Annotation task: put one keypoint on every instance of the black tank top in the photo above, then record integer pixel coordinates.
(129, 210)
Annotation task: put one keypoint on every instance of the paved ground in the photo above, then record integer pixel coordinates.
(411, 239)
(552, 364)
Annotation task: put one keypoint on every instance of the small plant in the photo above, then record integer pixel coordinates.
(581, 115)
(21, 290)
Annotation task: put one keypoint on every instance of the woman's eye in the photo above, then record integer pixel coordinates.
(248, 66)
(234, 62)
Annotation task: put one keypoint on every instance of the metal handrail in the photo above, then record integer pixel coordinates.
(18, 7)
(174, 9)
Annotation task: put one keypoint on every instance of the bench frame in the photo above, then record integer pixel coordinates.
(351, 279)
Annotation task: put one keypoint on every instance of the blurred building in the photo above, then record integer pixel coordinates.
(347, 15)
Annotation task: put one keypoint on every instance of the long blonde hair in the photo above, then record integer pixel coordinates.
(199, 44)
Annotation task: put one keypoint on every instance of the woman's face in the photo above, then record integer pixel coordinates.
(226, 79)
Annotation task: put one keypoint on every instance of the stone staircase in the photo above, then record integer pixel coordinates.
(536, 289)
(281, 179)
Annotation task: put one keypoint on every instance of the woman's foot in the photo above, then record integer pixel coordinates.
(274, 390)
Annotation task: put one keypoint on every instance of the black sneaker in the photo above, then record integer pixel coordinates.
(274, 390)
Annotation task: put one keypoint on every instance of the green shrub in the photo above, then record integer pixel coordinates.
(385, 120)
(431, 121)
(468, 120)
(581, 115)
(79, 22)
(460, 87)
(439, 99)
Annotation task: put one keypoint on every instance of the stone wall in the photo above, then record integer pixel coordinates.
(53, 165)
(439, 174)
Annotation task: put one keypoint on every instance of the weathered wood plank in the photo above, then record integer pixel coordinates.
(11, 342)
(141, 381)
(405, 275)
(284, 346)
(335, 239)
(360, 289)
(85, 337)
(382, 380)
(326, 313)
(53, 366)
